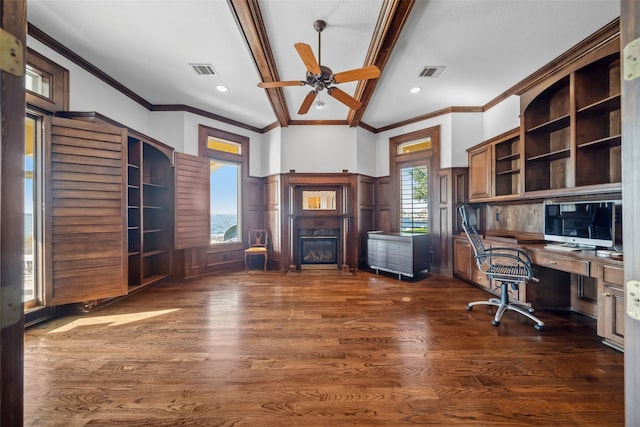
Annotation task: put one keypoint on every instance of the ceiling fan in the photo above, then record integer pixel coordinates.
(320, 77)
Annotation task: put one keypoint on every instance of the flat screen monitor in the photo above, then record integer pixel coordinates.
(585, 224)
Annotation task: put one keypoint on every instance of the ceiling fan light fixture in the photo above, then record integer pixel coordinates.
(415, 90)
(320, 105)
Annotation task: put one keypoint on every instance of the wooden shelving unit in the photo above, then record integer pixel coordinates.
(150, 212)
(571, 129)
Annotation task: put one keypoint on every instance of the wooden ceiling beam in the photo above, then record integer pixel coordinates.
(392, 18)
(249, 20)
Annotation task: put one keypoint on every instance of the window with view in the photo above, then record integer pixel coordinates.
(227, 153)
(413, 157)
(414, 199)
(224, 207)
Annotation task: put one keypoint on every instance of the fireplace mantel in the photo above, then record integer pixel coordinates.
(302, 222)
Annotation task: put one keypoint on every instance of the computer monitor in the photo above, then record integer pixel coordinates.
(586, 224)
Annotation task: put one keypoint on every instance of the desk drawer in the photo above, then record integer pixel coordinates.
(557, 262)
(613, 275)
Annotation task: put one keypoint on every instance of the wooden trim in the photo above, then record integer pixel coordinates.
(50, 42)
(199, 112)
(249, 19)
(318, 123)
(431, 115)
(59, 100)
(392, 18)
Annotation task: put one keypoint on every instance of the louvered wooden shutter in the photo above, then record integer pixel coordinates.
(192, 201)
(86, 207)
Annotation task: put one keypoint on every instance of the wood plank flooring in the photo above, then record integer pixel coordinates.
(317, 349)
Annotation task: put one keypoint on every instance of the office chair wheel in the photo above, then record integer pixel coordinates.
(495, 322)
(538, 327)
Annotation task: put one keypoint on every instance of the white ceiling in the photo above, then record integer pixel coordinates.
(487, 46)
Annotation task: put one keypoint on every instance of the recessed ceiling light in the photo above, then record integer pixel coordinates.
(222, 88)
(415, 89)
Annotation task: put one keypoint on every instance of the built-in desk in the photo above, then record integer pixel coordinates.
(576, 280)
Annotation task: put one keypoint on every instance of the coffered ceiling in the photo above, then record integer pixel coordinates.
(149, 47)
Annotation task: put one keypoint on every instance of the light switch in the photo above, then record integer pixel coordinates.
(631, 60)
(633, 299)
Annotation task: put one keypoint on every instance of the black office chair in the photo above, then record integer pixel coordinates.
(507, 266)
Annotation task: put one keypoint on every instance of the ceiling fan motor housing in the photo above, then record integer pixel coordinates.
(321, 82)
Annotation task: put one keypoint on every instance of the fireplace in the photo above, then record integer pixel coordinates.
(318, 252)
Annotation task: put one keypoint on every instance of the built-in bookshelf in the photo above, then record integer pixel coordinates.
(150, 212)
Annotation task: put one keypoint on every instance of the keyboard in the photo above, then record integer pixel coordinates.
(562, 248)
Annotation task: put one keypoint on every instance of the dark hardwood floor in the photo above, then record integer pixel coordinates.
(317, 349)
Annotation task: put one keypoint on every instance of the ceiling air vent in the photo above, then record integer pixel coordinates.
(203, 69)
(431, 72)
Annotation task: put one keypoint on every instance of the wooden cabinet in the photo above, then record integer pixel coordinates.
(462, 258)
(403, 254)
(465, 266)
(150, 210)
(611, 308)
(494, 168)
(571, 127)
(480, 173)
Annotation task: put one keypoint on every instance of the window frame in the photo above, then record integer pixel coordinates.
(242, 159)
(59, 85)
(429, 157)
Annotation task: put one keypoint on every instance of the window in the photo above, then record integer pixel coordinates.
(414, 199)
(31, 258)
(46, 83)
(224, 208)
(38, 81)
(414, 161)
(228, 155)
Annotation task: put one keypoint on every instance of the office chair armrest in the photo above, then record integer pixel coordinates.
(519, 252)
(514, 260)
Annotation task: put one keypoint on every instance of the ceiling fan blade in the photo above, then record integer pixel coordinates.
(267, 85)
(371, 72)
(307, 56)
(308, 100)
(345, 98)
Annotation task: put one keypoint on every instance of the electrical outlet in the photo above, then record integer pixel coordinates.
(633, 299)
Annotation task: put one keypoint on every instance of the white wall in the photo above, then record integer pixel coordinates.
(502, 117)
(366, 152)
(327, 149)
(271, 160)
(88, 93)
(466, 131)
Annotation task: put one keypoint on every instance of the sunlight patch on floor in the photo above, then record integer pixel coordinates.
(115, 320)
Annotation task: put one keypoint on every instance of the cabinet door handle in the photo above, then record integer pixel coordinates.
(606, 294)
(553, 261)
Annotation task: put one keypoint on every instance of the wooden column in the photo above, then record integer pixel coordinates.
(629, 31)
(13, 16)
